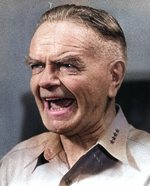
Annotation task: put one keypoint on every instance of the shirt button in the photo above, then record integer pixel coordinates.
(68, 181)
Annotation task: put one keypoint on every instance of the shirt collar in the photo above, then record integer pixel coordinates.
(114, 141)
(53, 147)
(115, 138)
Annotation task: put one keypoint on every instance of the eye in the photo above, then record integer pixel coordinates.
(69, 66)
(37, 68)
(68, 69)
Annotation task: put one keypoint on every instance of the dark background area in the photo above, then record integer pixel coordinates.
(134, 98)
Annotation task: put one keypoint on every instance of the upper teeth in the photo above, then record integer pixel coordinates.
(51, 99)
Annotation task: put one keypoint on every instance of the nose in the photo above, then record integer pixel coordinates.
(49, 78)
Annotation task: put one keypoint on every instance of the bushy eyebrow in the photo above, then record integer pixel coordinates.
(73, 59)
(70, 58)
(29, 61)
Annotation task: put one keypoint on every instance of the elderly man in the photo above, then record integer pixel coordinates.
(78, 61)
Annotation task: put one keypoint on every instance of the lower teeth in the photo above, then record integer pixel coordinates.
(58, 109)
(58, 105)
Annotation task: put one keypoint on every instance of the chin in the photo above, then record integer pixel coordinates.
(59, 127)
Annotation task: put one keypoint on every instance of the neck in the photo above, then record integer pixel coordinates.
(77, 145)
(74, 148)
(110, 113)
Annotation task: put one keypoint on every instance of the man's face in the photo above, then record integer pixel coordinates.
(70, 78)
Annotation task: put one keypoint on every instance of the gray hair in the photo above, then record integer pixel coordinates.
(99, 20)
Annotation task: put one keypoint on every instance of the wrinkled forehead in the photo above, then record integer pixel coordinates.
(66, 31)
(75, 35)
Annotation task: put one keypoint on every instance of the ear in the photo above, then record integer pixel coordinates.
(117, 71)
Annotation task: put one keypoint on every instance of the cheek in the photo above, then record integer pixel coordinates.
(97, 91)
(71, 83)
(87, 89)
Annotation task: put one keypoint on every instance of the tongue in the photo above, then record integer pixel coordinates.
(62, 103)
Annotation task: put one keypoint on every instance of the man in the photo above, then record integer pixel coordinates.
(78, 61)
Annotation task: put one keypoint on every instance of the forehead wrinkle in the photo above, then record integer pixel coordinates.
(82, 41)
(81, 47)
(86, 41)
(72, 58)
(51, 41)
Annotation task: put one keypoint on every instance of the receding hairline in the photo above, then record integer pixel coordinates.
(98, 20)
(101, 22)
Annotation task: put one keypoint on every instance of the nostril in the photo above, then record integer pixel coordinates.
(49, 81)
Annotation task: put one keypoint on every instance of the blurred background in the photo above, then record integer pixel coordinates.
(19, 117)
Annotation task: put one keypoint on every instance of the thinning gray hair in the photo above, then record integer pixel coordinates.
(99, 20)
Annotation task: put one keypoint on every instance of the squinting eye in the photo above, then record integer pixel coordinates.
(69, 66)
(68, 69)
(36, 66)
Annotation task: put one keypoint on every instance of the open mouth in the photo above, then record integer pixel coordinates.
(56, 104)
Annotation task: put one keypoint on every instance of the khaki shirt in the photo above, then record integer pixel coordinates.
(120, 157)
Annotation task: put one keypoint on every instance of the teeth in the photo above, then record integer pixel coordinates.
(58, 103)
(51, 99)
(56, 109)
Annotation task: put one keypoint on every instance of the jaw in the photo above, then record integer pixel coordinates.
(57, 113)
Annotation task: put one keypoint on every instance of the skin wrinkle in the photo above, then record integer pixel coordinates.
(88, 43)
(75, 46)
(95, 128)
(88, 137)
(107, 46)
(81, 41)
(113, 48)
(84, 23)
(76, 59)
(29, 60)
(96, 125)
(94, 110)
(100, 37)
(107, 49)
(87, 100)
(87, 46)
(87, 119)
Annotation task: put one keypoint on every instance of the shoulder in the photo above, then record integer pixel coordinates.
(23, 157)
(139, 144)
(139, 137)
(28, 145)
